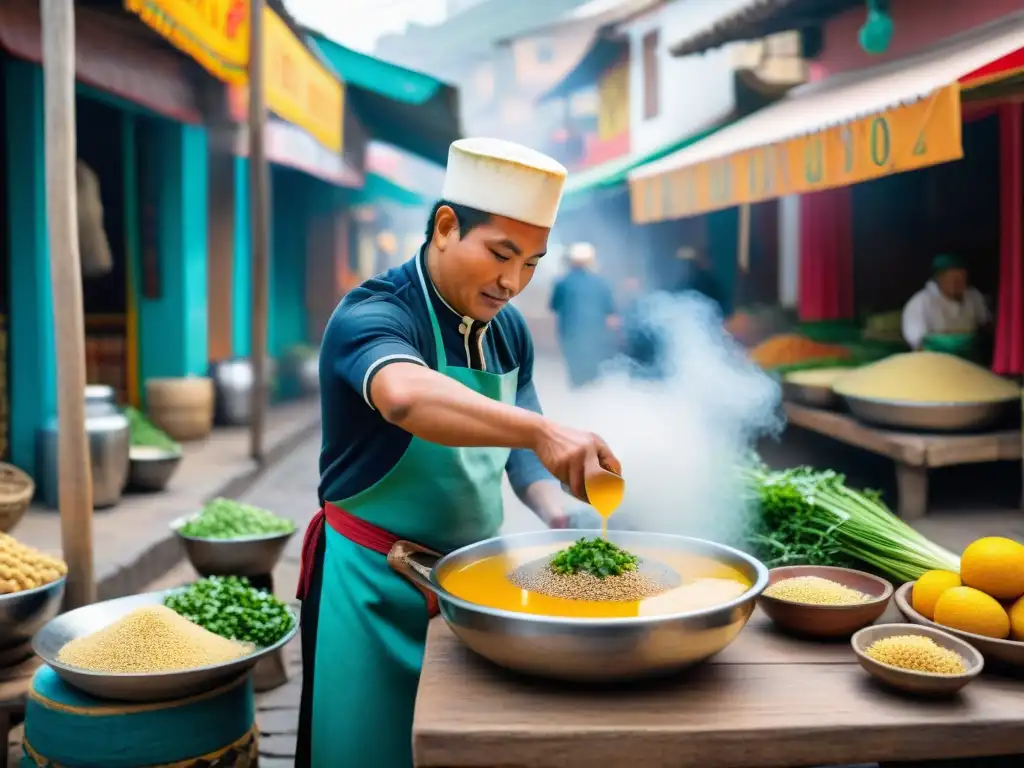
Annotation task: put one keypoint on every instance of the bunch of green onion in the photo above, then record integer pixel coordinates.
(806, 517)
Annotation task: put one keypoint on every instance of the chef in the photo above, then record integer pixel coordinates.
(946, 305)
(427, 396)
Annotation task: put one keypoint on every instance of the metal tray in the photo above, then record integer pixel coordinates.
(933, 417)
(146, 687)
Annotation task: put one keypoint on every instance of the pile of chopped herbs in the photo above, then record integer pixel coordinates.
(597, 557)
(144, 433)
(804, 517)
(229, 519)
(231, 607)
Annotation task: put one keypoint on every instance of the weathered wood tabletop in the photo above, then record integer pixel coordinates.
(913, 454)
(767, 701)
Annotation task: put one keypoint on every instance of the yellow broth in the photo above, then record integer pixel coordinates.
(705, 583)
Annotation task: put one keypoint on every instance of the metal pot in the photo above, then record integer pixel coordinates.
(582, 649)
(233, 382)
(109, 443)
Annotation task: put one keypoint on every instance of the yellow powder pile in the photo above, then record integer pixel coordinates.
(926, 377)
(917, 654)
(815, 590)
(817, 377)
(150, 639)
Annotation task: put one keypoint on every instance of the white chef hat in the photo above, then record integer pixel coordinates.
(582, 254)
(505, 179)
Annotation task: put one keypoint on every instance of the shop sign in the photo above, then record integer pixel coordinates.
(925, 133)
(213, 32)
(613, 102)
(300, 89)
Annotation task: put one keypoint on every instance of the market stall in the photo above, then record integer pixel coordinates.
(913, 454)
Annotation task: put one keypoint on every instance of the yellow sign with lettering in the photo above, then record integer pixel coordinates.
(918, 135)
(213, 32)
(300, 89)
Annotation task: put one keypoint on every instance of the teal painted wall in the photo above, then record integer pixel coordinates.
(292, 191)
(173, 327)
(241, 298)
(33, 358)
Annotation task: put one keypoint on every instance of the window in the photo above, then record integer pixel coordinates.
(652, 82)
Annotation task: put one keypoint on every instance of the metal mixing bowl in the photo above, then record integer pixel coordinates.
(248, 556)
(932, 417)
(581, 649)
(134, 687)
(151, 469)
(23, 613)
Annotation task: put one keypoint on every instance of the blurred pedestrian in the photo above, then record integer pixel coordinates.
(584, 306)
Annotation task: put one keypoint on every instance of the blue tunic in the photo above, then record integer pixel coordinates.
(385, 321)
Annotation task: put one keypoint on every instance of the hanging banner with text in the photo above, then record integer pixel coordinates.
(927, 132)
(300, 89)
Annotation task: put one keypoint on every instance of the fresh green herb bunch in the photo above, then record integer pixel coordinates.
(598, 557)
(227, 519)
(144, 433)
(230, 607)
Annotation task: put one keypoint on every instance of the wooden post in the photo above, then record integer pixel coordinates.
(75, 475)
(259, 196)
(743, 255)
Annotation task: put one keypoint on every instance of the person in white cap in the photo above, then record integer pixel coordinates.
(427, 400)
(584, 304)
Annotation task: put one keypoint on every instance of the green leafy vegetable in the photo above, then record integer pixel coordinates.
(598, 557)
(811, 518)
(230, 607)
(144, 433)
(227, 519)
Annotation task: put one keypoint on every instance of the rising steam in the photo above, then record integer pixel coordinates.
(680, 437)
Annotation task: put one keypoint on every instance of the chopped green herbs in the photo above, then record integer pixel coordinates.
(144, 433)
(597, 557)
(230, 607)
(227, 519)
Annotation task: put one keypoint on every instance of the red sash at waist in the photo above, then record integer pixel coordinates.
(356, 530)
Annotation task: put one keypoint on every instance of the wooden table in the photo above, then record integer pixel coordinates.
(914, 454)
(767, 701)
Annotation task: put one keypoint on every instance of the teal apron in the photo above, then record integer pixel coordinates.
(372, 623)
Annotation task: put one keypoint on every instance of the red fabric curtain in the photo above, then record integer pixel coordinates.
(826, 255)
(1009, 352)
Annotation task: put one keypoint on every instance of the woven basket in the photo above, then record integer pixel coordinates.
(183, 408)
(16, 491)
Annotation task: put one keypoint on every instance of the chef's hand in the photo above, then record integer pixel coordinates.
(572, 454)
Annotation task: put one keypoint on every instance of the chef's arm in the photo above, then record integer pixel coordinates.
(914, 324)
(533, 484)
(436, 408)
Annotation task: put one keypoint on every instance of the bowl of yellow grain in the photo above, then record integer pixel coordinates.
(915, 659)
(823, 601)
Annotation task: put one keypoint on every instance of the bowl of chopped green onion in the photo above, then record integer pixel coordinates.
(153, 457)
(231, 538)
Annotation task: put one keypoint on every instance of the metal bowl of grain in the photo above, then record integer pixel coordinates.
(146, 687)
(649, 638)
(151, 468)
(23, 613)
(933, 417)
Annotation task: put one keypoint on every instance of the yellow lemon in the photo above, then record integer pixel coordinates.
(994, 565)
(971, 610)
(928, 588)
(1017, 620)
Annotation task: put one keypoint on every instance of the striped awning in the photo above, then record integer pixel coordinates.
(849, 128)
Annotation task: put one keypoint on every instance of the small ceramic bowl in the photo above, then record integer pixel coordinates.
(919, 683)
(827, 621)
